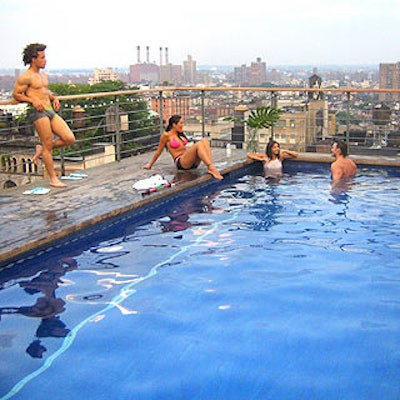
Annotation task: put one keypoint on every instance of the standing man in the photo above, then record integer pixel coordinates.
(342, 167)
(32, 87)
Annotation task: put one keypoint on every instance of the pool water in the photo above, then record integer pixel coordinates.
(245, 289)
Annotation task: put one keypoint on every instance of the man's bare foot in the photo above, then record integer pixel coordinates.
(58, 184)
(38, 153)
(214, 172)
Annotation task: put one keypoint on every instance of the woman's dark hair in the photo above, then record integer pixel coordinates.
(268, 149)
(31, 51)
(174, 120)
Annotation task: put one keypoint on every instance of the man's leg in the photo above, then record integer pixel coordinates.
(43, 128)
(62, 130)
(38, 153)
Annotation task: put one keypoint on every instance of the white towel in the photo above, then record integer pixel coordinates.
(150, 183)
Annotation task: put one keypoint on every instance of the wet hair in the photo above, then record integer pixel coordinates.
(174, 120)
(268, 149)
(342, 146)
(31, 51)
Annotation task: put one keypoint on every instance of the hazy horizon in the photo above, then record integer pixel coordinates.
(308, 32)
(205, 67)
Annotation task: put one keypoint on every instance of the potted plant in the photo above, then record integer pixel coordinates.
(261, 117)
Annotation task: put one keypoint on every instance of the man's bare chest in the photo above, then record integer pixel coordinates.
(38, 82)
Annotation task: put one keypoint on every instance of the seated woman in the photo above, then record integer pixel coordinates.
(175, 141)
(273, 158)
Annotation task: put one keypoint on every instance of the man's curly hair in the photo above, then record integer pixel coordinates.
(31, 51)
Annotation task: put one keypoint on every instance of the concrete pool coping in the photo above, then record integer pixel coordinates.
(29, 222)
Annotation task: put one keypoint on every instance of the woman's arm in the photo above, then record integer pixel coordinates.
(160, 148)
(258, 156)
(288, 154)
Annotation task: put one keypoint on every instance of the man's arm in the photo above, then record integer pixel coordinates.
(337, 172)
(20, 88)
(19, 93)
(54, 99)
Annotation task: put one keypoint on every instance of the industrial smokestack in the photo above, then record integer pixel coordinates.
(160, 56)
(138, 54)
(166, 56)
(147, 54)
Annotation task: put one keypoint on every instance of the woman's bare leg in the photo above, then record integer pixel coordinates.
(200, 151)
(204, 153)
(212, 170)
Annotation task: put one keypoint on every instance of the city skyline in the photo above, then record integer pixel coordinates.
(324, 32)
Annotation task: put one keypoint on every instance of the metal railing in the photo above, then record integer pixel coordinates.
(115, 125)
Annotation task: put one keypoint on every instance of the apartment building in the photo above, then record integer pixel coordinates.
(389, 78)
(189, 71)
(258, 72)
(255, 75)
(99, 75)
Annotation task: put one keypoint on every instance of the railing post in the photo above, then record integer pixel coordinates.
(274, 104)
(62, 150)
(161, 112)
(117, 133)
(62, 162)
(203, 115)
(348, 121)
(307, 140)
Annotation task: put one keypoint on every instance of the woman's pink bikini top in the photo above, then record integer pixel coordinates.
(175, 143)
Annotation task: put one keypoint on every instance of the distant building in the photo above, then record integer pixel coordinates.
(170, 73)
(189, 71)
(255, 75)
(152, 74)
(273, 75)
(241, 75)
(298, 130)
(258, 72)
(389, 78)
(144, 73)
(315, 82)
(171, 105)
(103, 75)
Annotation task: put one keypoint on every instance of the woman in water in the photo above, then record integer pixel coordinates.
(273, 158)
(175, 141)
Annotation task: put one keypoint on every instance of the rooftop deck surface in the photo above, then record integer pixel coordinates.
(31, 221)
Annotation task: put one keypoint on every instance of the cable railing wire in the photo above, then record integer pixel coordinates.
(312, 117)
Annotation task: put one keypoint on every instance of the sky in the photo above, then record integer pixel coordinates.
(84, 34)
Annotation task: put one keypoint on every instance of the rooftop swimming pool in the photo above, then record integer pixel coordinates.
(242, 289)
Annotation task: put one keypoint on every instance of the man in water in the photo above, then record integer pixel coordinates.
(342, 167)
(32, 87)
